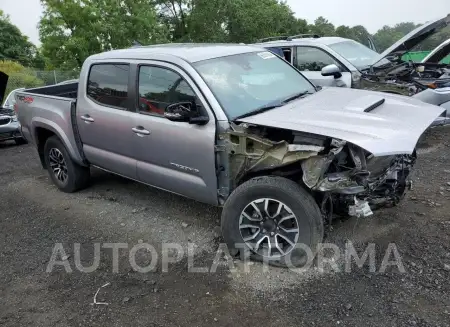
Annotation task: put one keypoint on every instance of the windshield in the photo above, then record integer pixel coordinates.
(245, 82)
(358, 54)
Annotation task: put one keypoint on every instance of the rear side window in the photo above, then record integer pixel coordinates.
(108, 85)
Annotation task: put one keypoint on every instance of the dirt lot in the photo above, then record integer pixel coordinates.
(34, 216)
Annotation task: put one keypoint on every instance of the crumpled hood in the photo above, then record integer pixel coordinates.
(381, 123)
(415, 37)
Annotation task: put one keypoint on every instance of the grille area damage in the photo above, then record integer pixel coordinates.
(345, 179)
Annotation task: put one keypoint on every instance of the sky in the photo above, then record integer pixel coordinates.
(372, 14)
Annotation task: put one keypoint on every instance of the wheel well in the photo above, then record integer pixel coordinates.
(293, 172)
(42, 135)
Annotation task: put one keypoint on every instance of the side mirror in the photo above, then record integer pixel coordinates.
(331, 70)
(185, 112)
(180, 111)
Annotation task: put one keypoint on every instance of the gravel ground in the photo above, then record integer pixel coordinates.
(34, 216)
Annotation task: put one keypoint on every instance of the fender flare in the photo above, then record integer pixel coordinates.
(39, 122)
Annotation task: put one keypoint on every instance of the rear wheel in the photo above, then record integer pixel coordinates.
(274, 219)
(67, 175)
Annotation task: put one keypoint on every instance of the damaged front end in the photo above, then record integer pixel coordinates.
(358, 181)
(343, 178)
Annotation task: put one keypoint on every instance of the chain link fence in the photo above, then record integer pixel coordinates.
(35, 78)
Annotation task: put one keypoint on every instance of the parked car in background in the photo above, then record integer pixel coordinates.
(239, 128)
(340, 62)
(10, 100)
(438, 94)
(9, 125)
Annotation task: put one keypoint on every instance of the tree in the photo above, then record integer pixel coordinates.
(385, 37)
(322, 27)
(360, 34)
(71, 30)
(19, 76)
(227, 20)
(249, 20)
(14, 45)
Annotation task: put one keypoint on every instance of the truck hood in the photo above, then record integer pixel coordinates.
(381, 123)
(414, 37)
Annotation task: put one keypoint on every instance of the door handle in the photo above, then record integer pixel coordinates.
(87, 118)
(139, 130)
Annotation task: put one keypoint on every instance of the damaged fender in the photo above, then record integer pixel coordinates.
(314, 170)
(251, 153)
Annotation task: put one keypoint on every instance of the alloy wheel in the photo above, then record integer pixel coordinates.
(269, 228)
(58, 165)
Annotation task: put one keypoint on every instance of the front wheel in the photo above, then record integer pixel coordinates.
(67, 175)
(275, 219)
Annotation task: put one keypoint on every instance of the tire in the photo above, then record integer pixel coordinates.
(296, 200)
(77, 177)
(20, 141)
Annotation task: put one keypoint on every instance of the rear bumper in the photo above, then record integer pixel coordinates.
(10, 131)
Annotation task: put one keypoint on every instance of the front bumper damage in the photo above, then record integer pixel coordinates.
(347, 176)
(371, 183)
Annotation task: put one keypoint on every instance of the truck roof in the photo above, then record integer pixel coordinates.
(191, 52)
(304, 41)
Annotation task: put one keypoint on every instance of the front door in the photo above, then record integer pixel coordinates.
(175, 156)
(311, 60)
(104, 121)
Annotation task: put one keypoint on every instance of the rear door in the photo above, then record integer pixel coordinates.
(310, 61)
(104, 119)
(175, 156)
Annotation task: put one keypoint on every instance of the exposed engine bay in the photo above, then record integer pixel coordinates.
(344, 179)
(407, 78)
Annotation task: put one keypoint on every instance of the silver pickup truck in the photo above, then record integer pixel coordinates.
(232, 126)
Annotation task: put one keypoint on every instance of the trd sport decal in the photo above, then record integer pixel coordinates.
(26, 99)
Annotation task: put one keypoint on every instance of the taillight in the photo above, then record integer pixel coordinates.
(16, 108)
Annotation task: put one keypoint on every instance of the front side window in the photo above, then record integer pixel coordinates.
(245, 82)
(108, 85)
(160, 87)
(313, 59)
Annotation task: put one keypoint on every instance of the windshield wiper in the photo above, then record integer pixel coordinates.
(260, 110)
(273, 105)
(296, 96)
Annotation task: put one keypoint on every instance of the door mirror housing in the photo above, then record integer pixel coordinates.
(331, 70)
(185, 112)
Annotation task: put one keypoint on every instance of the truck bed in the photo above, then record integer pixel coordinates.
(69, 90)
(51, 108)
